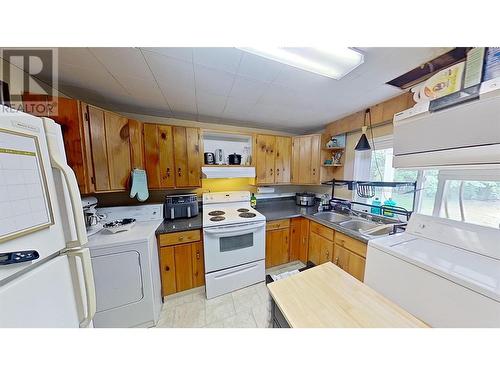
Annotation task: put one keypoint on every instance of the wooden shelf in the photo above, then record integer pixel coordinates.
(331, 165)
(333, 148)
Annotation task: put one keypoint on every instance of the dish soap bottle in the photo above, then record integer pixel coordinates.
(375, 210)
(253, 201)
(391, 203)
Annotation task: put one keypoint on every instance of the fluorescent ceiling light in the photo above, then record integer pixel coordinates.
(334, 62)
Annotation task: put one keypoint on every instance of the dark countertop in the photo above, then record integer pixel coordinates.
(272, 209)
(179, 225)
(276, 209)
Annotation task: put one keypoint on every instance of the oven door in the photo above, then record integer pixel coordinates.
(232, 245)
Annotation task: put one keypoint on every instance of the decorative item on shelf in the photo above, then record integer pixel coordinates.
(336, 157)
(363, 144)
(328, 162)
(332, 143)
(247, 157)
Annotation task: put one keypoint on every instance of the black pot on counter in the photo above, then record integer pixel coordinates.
(234, 159)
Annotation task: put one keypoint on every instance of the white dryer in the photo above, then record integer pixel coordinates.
(126, 269)
(444, 272)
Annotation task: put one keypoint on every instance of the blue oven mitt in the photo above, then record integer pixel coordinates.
(139, 185)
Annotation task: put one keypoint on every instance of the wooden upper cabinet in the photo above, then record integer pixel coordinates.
(265, 158)
(159, 156)
(306, 154)
(273, 159)
(187, 157)
(283, 160)
(110, 148)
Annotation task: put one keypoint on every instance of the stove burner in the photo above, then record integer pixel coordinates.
(217, 218)
(216, 213)
(247, 214)
(242, 210)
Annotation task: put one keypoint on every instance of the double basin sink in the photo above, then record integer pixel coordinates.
(354, 223)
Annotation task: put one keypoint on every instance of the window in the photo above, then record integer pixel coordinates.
(377, 166)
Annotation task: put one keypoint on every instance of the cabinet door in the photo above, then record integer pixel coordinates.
(305, 176)
(159, 156)
(183, 267)
(295, 238)
(187, 157)
(295, 175)
(356, 266)
(167, 268)
(314, 254)
(198, 264)
(341, 257)
(326, 251)
(118, 147)
(99, 148)
(315, 159)
(265, 158)
(304, 240)
(277, 247)
(283, 160)
(136, 133)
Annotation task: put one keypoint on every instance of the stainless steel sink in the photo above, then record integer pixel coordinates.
(357, 225)
(332, 217)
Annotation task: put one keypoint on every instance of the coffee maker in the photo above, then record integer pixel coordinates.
(92, 218)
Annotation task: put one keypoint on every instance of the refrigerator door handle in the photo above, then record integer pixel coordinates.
(88, 276)
(72, 184)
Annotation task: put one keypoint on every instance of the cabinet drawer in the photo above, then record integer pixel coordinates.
(278, 224)
(351, 244)
(322, 230)
(179, 237)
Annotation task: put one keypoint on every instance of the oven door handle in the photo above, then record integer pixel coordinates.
(234, 228)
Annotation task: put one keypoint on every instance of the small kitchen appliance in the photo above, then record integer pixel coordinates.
(219, 157)
(92, 219)
(180, 206)
(209, 158)
(305, 199)
(235, 159)
(234, 238)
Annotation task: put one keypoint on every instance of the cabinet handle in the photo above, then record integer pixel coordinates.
(197, 257)
(337, 261)
(168, 172)
(271, 171)
(327, 254)
(167, 268)
(179, 172)
(181, 238)
(277, 172)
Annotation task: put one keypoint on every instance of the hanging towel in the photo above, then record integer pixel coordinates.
(139, 185)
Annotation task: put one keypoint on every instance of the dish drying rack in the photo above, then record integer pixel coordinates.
(366, 189)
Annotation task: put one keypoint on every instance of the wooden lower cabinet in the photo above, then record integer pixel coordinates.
(277, 243)
(320, 249)
(299, 239)
(349, 262)
(181, 266)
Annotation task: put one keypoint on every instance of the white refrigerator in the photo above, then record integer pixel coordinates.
(46, 275)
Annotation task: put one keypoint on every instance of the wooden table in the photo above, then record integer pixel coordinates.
(327, 297)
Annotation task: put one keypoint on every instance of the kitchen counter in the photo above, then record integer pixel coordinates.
(327, 297)
(179, 225)
(276, 209)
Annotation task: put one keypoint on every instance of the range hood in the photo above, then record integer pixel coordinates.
(227, 172)
(462, 130)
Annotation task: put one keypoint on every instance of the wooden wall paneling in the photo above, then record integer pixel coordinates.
(99, 149)
(118, 148)
(152, 156)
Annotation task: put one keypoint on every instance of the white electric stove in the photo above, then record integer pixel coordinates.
(234, 238)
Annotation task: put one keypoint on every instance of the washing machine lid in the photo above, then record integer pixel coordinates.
(474, 271)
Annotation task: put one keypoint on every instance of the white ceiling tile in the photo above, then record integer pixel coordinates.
(210, 105)
(238, 107)
(227, 59)
(259, 68)
(213, 81)
(182, 101)
(170, 73)
(244, 88)
(181, 53)
(98, 80)
(80, 57)
(123, 61)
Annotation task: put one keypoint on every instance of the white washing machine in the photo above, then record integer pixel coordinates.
(444, 272)
(126, 269)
